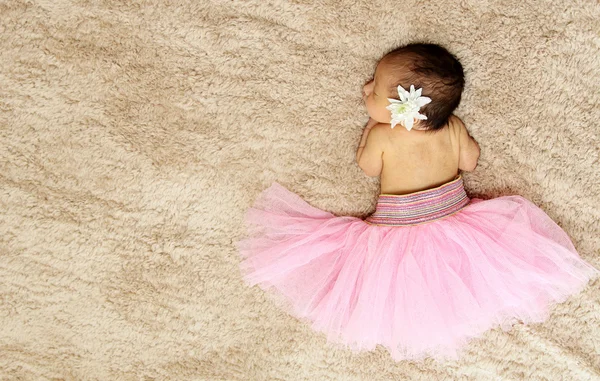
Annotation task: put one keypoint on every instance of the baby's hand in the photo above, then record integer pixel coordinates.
(371, 123)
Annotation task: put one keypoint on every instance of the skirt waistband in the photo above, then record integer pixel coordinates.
(419, 207)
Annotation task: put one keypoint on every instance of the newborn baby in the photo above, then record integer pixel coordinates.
(435, 148)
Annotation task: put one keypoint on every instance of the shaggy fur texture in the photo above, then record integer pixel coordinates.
(134, 135)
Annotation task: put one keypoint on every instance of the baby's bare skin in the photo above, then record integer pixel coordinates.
(416, 160)
(413, 160)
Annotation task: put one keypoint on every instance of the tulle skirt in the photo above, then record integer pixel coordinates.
(421, 276)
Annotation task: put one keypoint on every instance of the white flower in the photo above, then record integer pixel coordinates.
(406, 110)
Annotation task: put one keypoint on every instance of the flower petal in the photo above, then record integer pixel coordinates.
(402, 93)
(422, 101)
(418, 93)
(408, 123)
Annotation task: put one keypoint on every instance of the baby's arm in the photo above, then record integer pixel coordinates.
(468, 147)
(370, 151)
(363, 140)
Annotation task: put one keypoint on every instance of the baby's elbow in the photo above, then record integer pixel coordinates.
(370, 171)
(372, 174)
(468, 167)
(370, 167)
(469, 163)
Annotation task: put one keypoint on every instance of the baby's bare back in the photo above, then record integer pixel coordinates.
(417, 160)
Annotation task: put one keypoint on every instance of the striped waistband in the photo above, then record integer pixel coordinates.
(419, 207)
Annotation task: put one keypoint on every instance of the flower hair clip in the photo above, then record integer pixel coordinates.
(406, 110)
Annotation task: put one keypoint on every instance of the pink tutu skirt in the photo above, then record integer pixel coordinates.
(421, 276)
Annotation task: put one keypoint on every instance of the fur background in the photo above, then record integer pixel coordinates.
(134, 135)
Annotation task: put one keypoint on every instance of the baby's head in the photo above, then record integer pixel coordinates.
(426, 66)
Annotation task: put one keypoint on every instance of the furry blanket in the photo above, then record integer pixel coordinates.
(134, 135)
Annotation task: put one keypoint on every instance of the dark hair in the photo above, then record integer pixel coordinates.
(434, 69)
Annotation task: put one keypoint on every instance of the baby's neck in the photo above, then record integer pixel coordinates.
(415, 126)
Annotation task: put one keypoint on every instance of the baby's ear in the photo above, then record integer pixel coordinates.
(419, 124)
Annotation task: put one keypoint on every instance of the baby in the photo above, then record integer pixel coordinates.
(437, 147)
(431, 268)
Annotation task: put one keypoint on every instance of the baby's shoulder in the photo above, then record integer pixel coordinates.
(381, 132)
(456, 125)
(392, 133)
(392, 138)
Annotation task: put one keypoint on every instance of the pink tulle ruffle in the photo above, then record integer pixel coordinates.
(420, 291)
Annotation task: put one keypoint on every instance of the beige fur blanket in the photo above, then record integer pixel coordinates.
(134, 135)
